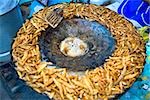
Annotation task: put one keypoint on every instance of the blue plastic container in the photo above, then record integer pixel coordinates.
(10, 22)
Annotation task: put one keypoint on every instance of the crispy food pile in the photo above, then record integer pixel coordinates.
(117, 74)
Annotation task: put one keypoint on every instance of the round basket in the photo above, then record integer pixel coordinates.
(117, 74)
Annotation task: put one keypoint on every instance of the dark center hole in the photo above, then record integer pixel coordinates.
(99, 39)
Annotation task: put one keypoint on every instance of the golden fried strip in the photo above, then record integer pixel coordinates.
(118, 73)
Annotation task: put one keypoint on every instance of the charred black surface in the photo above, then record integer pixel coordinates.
(101, 44)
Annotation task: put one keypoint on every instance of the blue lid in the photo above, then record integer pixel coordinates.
(7, 5)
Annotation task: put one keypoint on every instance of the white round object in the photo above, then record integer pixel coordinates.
(73, 47)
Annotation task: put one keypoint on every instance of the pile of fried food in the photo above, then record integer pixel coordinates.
(117, 74)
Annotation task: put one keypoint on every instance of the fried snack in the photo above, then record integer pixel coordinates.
(117, 74)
